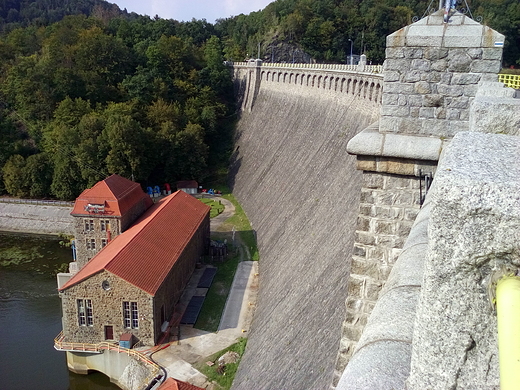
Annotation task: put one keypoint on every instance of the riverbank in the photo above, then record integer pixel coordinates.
(37, 219)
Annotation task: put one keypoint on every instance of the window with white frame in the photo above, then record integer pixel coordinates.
(105, 225)
(85, 314)
(130, 315)
(104, 242)
(89, 225)
(91, 244)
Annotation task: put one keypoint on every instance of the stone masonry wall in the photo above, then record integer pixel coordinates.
(431, 74)
(388, 206)
(300, 190)
(83, 255)
(107, 310)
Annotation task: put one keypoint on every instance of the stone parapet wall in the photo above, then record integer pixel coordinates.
(431, 74)
(474, 240)
(37, 219)
(363, 83)
(388, 207)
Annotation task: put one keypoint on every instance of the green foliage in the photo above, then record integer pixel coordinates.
(213, 306)
(96, 96)
(323, 28)
(216, 206)
(225, 380)
(13, 175)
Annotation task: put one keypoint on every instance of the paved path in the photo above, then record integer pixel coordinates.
(195, 344)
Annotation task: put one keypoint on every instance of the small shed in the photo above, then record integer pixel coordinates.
(188, 186)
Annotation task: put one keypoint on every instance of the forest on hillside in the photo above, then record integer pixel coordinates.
(324, 28)
(82, 99)
(87, 90)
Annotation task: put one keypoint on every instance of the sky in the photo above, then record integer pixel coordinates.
(185, 10)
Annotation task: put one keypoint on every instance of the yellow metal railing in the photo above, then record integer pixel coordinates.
(61, 345)
(510, 80)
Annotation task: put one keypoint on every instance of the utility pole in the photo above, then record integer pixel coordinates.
(351, 60)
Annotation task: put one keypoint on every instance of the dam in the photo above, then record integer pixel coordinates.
(334, 167)
(384, 201)
(300, 189)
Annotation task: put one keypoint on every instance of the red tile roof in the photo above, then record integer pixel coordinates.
(187, 184)
(115, 193)
(175, 384)
(145, 253)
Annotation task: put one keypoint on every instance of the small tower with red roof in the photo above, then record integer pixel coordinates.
(105, 211)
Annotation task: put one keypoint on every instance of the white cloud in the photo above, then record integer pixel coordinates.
(188, 9)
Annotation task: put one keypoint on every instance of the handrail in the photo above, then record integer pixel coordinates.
(340, 67)
(61, 345)
(510, 80)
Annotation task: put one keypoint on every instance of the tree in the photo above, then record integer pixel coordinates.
(38, 175)
(13, 176)
(190, 154)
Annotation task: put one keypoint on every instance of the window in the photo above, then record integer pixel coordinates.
(89, 225)
(130, 315)
(91, 244)
(103, 242)
(105, 225)
(85, 315)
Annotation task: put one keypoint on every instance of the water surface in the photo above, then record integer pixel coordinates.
(30, 317)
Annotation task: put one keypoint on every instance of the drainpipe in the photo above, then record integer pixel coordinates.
(508, 323)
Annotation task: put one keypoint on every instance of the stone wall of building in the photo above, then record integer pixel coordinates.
(107, 310)
(97, 237)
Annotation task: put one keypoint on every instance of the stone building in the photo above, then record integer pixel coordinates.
(103, 212)
(133, 284)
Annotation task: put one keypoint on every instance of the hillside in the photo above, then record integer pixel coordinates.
(324, 28)
(83, 98)
(21, 13)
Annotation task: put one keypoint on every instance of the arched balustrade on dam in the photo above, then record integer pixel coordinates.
(291, 156)
(364, 85)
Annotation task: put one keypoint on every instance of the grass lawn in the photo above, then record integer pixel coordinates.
(211, 312)
(216, 206)
(243, 227)
(226, 379)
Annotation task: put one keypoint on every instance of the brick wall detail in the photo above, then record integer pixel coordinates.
(388, 206)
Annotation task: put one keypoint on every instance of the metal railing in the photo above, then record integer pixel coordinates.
(510, 80)
(341, 67)
(40, 202)
(61, 345)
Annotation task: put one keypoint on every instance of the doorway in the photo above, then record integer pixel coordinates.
(109, 332)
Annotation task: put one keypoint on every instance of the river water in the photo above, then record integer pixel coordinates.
(30, 317)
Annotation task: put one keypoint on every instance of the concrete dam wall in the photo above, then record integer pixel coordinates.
(35, 218)
(300, 189)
